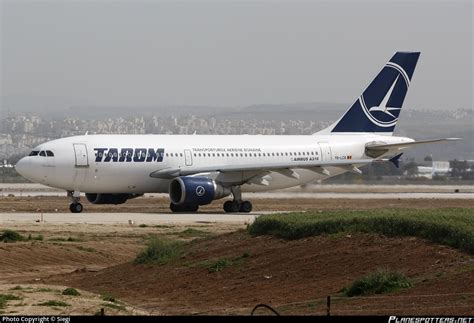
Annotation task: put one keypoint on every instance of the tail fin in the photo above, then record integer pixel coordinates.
(378, 108)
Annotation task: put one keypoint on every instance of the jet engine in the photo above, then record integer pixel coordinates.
(188, 190)
(109, 198)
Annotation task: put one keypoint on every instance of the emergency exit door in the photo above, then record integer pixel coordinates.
(188, 157)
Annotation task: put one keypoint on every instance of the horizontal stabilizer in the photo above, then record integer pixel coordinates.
(403, 145)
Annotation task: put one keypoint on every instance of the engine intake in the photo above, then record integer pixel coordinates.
(109, 198)
(196, 190)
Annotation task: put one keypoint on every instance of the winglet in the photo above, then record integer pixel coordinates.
(396, 160)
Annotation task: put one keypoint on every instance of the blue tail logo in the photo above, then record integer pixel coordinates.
(379, 106)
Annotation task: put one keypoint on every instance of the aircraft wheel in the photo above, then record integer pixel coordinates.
(246, 207)
(174, 207)
(184, 208)
(75, 207)
(232, 206)
(227, 206)
(192, 207)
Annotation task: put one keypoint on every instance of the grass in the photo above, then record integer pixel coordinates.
(159, 251)
(18, 287)
(190, 232)
(453, 227)
(380, 282)
(222, 263)
(70, 239)
(143, 226)
(87, 249)
(219, 265)
(117, 307)
(109, 298)
(11, 236)
(46, 290)
(37, 238)
(4, 298)
(53, 304)
(71, 292)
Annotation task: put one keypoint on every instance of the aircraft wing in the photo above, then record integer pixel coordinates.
(284, 168)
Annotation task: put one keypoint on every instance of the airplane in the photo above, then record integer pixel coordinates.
(195, 169)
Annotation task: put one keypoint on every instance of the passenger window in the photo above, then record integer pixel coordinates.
(49, 153)
(42, 153)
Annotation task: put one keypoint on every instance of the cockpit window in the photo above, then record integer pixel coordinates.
(49, 153)
(43, 153)
(34, 153)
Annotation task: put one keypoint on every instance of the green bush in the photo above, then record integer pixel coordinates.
(218, 265)
(71, 292)
(452, 227)
(379, 282)
(4, 298)
(159, 251)
(11, 236)
(222, 263)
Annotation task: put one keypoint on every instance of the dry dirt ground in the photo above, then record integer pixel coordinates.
(293, 276)
(161, 204)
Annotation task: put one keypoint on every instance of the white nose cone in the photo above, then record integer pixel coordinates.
(23, 167)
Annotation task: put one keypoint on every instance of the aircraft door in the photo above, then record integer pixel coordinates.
(326, 154)
(80, 151)
(188, 157)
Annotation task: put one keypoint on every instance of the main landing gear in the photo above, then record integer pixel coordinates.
(75, 206)
(237, 205)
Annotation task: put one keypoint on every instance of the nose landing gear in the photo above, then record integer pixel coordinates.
(75, 206)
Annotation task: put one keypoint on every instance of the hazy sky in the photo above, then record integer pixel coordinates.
(232, 53)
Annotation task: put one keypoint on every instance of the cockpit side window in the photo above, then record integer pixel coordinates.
(34, 153)
(49, 153)
(43, 153)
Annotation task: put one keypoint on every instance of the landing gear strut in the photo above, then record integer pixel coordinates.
(75, 206)
(237, 205)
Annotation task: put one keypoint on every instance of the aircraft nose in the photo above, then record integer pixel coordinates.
(22, 167)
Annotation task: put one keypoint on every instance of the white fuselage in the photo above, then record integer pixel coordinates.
(122, 163)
